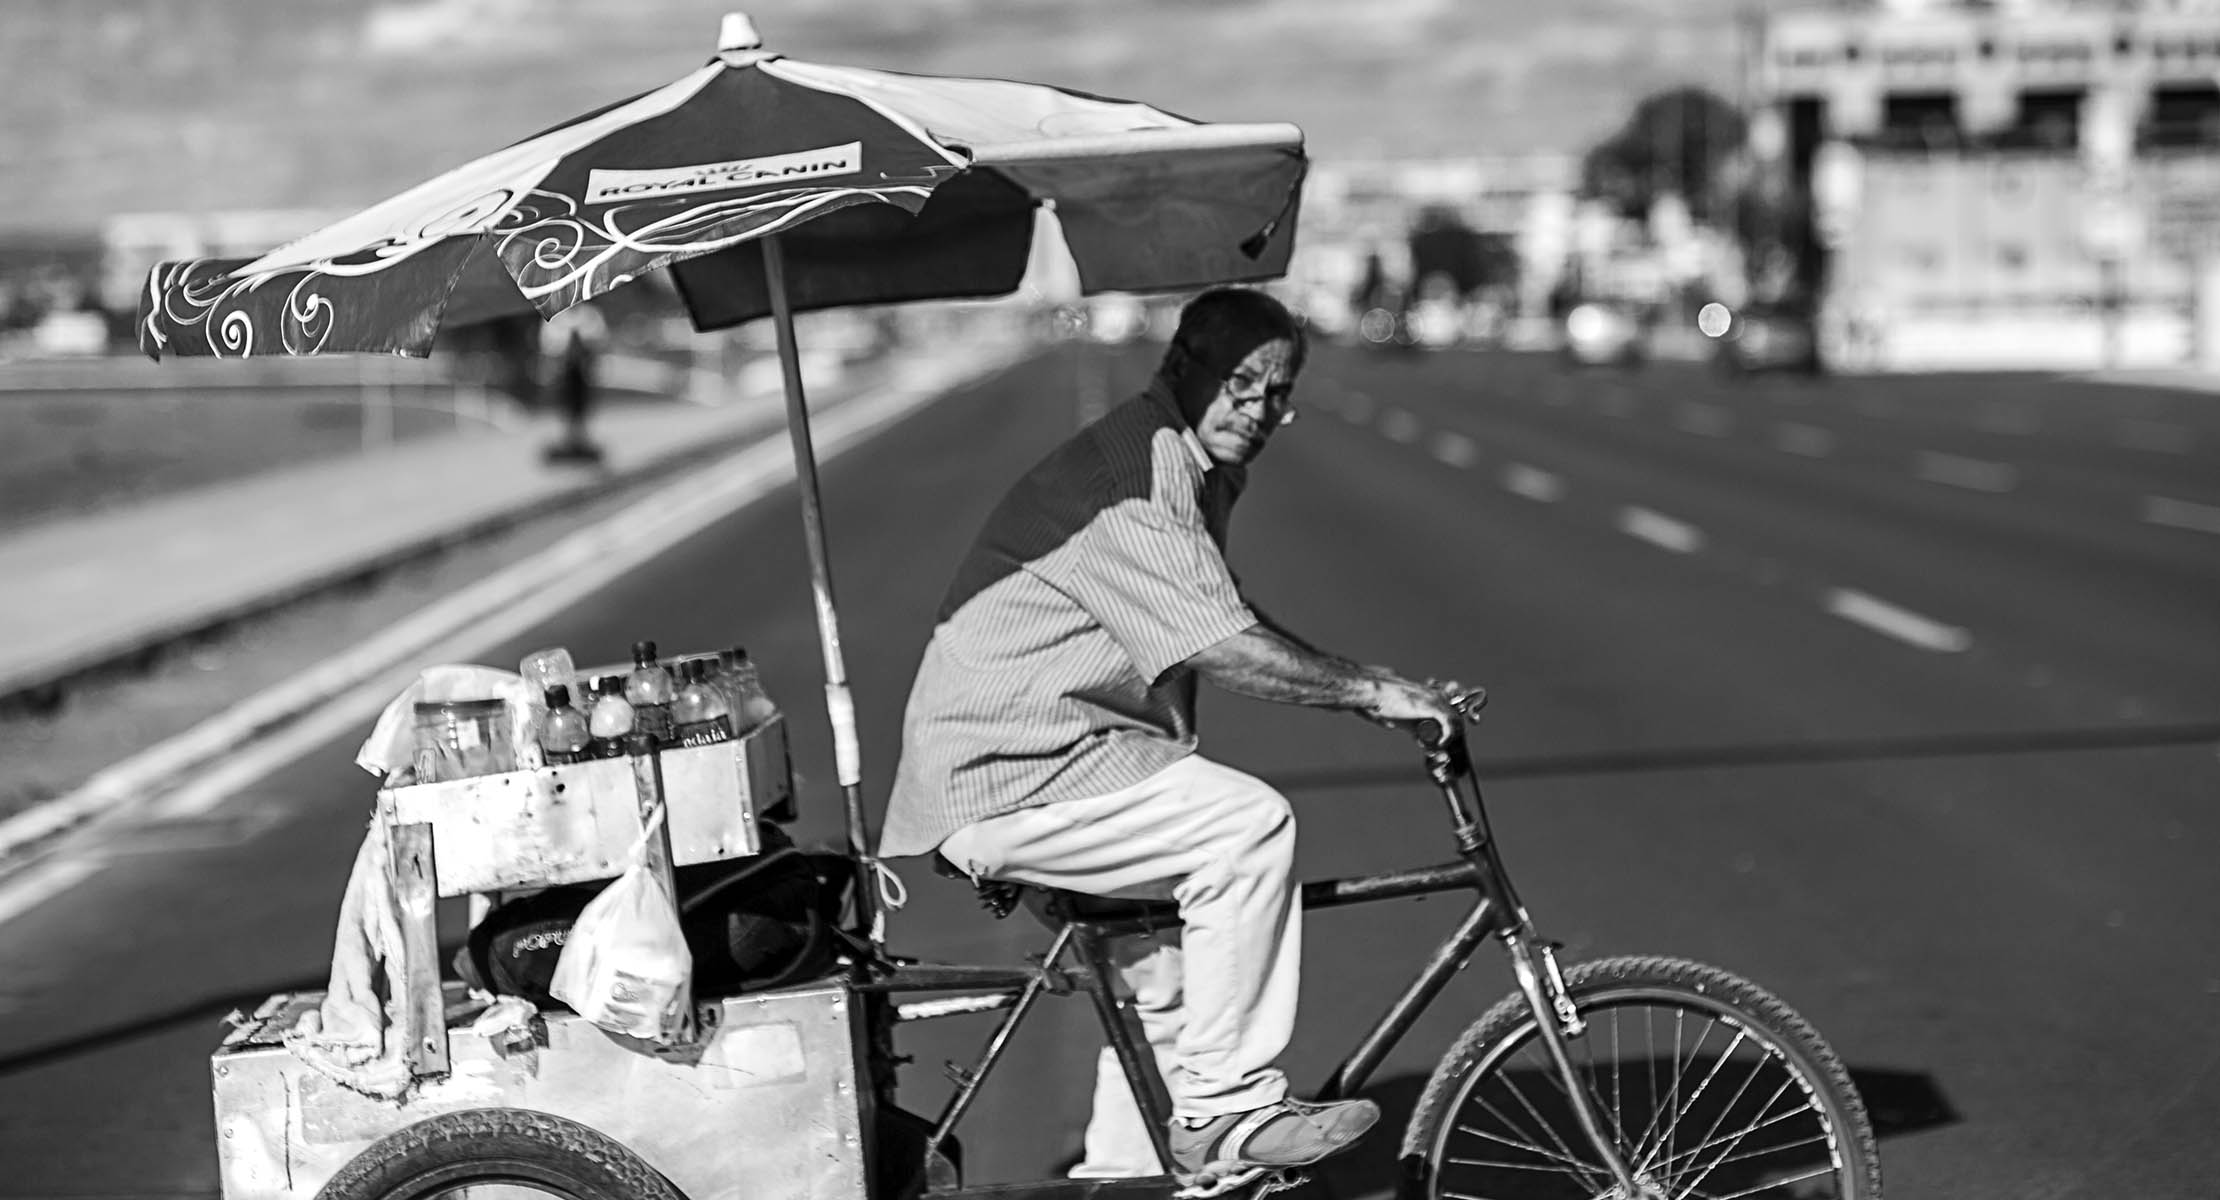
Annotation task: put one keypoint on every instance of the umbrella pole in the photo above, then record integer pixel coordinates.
(840, 706)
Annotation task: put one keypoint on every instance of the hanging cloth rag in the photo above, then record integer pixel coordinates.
(348, 1038)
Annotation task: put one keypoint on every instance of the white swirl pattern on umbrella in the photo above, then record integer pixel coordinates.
(569, 257)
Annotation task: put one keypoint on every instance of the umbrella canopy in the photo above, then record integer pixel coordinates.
(880, 186)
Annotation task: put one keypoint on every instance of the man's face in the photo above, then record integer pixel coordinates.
(1252, 402)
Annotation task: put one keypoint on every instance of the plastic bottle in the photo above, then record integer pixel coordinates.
(701, 716)
(565, 735)
(750, 706)
(543, 669)
(650, 692)
(610, 719)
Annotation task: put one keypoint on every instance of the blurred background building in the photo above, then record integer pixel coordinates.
(2010, 183)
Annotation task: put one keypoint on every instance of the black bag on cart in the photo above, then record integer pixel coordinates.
(751, 923)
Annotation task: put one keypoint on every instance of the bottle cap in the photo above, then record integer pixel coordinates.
(557, 695)
(643, 653)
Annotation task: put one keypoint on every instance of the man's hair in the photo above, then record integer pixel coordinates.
(1218, 328)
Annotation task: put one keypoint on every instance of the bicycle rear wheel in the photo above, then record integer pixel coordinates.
(1712, 1088)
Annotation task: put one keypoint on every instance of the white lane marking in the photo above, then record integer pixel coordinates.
(1900, 623)
(2181, 514)
(1532, 482)
(2159, 436)
(42, 883)
(1456, 449)
(1660, 530)
(1705, 420)
(1973, 474)
(1808, 440)
(1399, 426)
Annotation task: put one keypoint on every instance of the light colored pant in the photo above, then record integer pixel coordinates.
(1217, 1000)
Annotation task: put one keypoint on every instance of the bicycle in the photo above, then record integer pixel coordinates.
(1524, 1103)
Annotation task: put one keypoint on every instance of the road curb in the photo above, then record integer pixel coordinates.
(164, 766)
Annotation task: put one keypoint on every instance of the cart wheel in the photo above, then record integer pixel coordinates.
(483, 1153)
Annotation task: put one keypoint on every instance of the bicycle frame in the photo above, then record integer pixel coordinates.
(1496, 913)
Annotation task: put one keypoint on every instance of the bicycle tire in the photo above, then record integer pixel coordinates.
(483, 1146)
(1453, 1104)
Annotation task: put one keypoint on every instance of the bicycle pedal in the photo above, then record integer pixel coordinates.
(1203, 1184)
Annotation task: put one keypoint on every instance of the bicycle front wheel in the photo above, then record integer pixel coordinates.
(1710, 1086)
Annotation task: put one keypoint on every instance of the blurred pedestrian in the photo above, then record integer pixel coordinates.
(572, 342)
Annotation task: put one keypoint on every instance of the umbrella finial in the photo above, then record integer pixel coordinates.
(737, 33)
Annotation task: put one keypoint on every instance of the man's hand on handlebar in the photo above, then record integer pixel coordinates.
(1408, 704)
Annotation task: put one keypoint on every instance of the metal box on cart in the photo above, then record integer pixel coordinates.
(766, 1098)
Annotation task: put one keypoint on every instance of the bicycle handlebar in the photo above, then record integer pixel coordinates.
(1469, 702)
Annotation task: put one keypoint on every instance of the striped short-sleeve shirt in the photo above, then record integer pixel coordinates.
(1056, 670)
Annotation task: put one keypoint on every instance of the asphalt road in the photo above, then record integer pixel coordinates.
(1899, 697)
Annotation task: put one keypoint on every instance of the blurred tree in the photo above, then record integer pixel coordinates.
(1685, 140)
(1443, 246)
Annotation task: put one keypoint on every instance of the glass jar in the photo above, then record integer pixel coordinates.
(458, 739)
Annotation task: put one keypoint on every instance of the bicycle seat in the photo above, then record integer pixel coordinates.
(1001, 897)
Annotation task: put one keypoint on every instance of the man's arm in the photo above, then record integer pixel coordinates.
(1265, 663)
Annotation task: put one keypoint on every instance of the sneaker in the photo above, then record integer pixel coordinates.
(1291, 1133)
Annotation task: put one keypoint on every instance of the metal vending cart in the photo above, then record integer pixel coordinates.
(766, 1092)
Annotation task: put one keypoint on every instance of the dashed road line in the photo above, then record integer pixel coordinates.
(1900, 623)
(1399, 426)
(2181, 514)
(1808, 440)
(2161, 437)
(1973, 474)
(1660, 530)
(1532, 483)
(1456, 449)
(1704, 420)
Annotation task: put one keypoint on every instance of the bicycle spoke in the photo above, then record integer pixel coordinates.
(1539, 1151)
(1508, 1123)
(1519, 1094)
(1595, 1094)
(1505, 1166)
(1664, 1166)
(1769, 1185)
(1817, 1139)
(1665, 1119)
(1762, 1062)
(1666, 1143)
(1739, 1137)
(1618, 1102)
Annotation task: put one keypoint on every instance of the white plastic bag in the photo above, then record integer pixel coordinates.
(625, 966)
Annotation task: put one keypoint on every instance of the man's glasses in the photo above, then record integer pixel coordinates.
(1277, 399)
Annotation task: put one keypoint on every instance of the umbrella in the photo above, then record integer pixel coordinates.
(854, 186)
